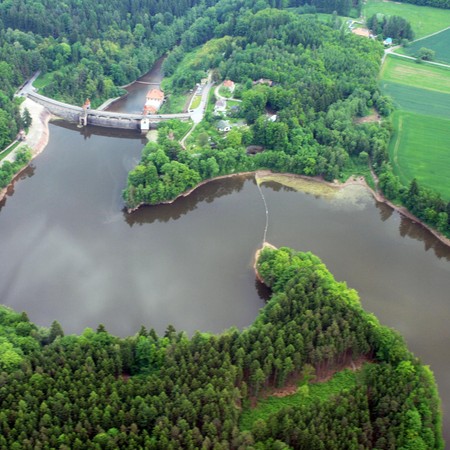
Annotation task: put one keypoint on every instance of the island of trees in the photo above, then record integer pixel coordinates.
(159, 392)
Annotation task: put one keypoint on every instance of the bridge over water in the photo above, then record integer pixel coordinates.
(108, 119)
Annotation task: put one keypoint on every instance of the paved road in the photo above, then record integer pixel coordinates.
(392, 50)
(28, 86)
(220, 97)
(198, 113)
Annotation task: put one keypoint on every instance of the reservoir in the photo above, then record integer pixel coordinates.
(71, 253)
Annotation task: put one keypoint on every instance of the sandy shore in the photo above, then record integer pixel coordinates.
(37, 137)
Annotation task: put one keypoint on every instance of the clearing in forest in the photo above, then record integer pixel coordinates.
(419, 149)
(424, 20)
(306, 395)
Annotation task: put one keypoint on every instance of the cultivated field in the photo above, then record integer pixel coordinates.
(420, 149)
(417, 100)
(424, 20)
(409, 72)
(420, 145)
(440, 43)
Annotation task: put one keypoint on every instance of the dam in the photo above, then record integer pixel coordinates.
(108, 119)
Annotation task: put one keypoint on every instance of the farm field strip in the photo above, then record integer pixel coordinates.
(424, 20)
(419, 149)
(421, 101)
(423, 76)
(440, 43)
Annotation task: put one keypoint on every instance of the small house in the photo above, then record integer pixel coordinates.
(387, 42)
(229, 85)
(223, 125)
(220, 106)
(263, 81)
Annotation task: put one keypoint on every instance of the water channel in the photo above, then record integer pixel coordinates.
(73, 254)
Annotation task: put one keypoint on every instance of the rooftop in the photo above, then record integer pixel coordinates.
(155, 94)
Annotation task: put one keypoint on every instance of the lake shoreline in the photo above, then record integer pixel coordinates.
(38, 137)
(36, 140)
(351, 181)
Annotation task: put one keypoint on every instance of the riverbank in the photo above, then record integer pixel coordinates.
(37, 137)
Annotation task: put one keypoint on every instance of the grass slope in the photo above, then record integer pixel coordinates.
(424, 19)
(440, 43)
(419, 149)
(408, 72)
(306, 395)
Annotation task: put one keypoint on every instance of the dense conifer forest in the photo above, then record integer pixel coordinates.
(173, 391)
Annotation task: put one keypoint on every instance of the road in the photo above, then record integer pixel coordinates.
(392, 50)
(198, 113)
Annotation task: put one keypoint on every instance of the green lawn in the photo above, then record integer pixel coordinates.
(411, 73)
(440, 43)
(174, 104)
(196, 101)
(5, 153)
(424, 19)
(306, 395)
(43, 80)
(419, 149)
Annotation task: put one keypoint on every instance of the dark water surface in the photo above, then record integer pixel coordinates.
(69, 251)
(134, 101)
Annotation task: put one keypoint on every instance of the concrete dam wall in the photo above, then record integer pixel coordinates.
(106, 119)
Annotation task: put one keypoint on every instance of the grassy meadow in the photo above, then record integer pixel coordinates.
(410, 73)
(420, 149)
(440, 43)
(424, 19)
(305, 395)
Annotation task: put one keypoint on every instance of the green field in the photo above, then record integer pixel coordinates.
(306, 395)
(420, 149)
(440, 43)
(409, 72)
(417, 100)
(424, 19)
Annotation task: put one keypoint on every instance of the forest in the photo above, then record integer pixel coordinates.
(173, 391)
